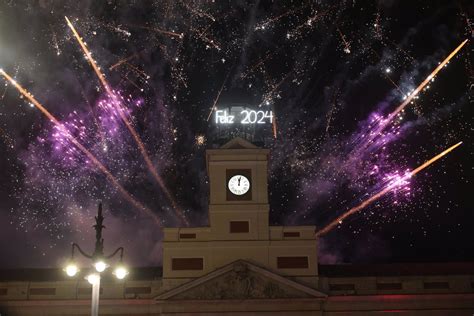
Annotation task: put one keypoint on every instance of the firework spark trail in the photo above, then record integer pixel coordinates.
(135, 135)
(329, 116)
(178, 73)
(204, 38)
(200, 33)
(157, 30)
(91, 156)
(266, 100)
(55, 43)
(274, 123)
(264, 24)
(257, 64)
(88, 54)
(139, 72)
(418, 89)
(210, 41)
(432, 160)
(377, 28)
(347, 46)
(132, 83)
(213, 108)
(198, 12)
(377, 131)
(393, 83)
(384, 191)
(295, 32)
(385, 73)
(269, 95)
(121, 61)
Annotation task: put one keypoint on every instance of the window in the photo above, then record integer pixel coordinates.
(187, 236)
(341, 287)
(87, 291)
(239, 226)
(389, 286)
(138, 290)
(291, 234)
(187, 264)
(43, 291)
(292, 262)
(436, 285)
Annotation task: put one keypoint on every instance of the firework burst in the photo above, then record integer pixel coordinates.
(395, 182)
(136, 137)
(62, 135)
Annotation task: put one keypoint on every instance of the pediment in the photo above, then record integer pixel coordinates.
(238, 143)
(240, 280)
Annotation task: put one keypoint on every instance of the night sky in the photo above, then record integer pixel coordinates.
(331, 72)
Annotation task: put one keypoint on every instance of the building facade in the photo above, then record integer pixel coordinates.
(239, 265)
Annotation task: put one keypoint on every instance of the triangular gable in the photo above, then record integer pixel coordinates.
(240, 280)
(238, 143)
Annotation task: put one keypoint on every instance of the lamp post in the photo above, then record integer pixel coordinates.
(99, 262)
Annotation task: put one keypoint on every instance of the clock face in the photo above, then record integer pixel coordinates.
(239, 185)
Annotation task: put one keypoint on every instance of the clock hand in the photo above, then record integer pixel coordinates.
(239, 182)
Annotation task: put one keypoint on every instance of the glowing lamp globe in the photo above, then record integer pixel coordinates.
(100, 266)
(93, 278)
(121, 272)
(71, 269)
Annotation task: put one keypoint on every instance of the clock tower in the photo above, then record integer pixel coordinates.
(235, 213)
(239, 224)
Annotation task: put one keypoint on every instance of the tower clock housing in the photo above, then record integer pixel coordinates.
(238, 159)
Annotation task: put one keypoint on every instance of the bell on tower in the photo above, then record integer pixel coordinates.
(239, 224)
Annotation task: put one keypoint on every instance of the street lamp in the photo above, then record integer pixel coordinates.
(99, 262)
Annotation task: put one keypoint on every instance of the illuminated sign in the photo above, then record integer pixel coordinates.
(244, 117)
